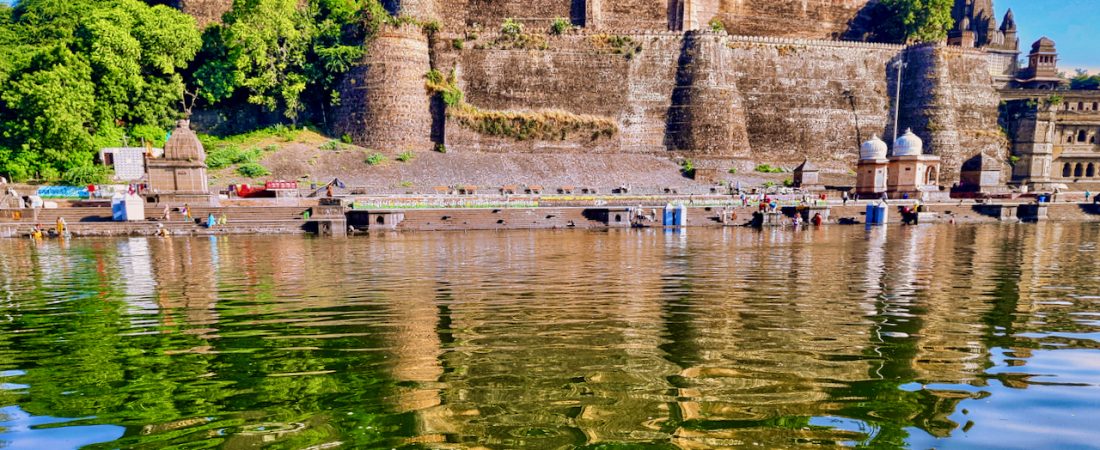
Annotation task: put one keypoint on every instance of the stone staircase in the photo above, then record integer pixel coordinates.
(98, 221)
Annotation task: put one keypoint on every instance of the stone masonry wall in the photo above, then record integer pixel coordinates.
(816, 19)
(948, 99)
(815, 99)
(384, 103)
(702, 95)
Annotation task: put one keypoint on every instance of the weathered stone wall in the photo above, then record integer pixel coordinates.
(384, 103)
(948, 99)
(702, 95)
(815, 99)
(817, 19)
(577, 73)
(715, 97)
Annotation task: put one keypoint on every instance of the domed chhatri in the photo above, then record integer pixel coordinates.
(873, 149)
(908, 144)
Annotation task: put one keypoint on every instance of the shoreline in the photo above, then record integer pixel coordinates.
(338, 220)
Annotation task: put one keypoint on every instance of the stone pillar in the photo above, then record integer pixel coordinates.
(384, 104)
(1035, 148)
(593, 14)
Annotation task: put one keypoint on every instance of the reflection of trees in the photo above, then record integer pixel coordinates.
(531, 339)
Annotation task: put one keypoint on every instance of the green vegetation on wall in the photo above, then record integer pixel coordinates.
(549, 125)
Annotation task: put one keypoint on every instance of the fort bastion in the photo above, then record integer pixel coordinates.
(779, 84)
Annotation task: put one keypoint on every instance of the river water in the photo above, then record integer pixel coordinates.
(930, 336)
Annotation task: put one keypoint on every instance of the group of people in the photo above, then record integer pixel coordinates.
(61, 230)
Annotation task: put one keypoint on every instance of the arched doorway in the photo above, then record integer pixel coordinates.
(930, 180)
(1090, 171)
(1067, 170)
(1078, 171)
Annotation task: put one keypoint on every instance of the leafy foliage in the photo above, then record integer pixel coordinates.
(447, 87)
(1085, 81)
(375, 159)
(765, 168)
(279, 54)
(253, 170)
(560, 26)
(78, 72)
(405, 156)
(909, 21)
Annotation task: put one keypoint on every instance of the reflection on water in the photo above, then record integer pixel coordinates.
(932, 336)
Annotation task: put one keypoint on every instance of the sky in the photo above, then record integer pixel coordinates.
(1074, 25)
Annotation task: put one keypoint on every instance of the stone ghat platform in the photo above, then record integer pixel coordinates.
(294, 220)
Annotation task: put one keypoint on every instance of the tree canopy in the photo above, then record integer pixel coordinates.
(912, 21)
(277, 53)
(1085, 81)
(79, 74)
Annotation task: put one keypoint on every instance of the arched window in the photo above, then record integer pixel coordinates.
(1090, 171)
(1069, 139)
(1080, 106)
(1067, 170)
(931, 179)
(1078, 171)
(1082, 136)
(1095, 106)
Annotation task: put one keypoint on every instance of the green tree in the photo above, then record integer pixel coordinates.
(277, 53)
(80, 73)
(260, 51)
(1085, 81)
(910, 21)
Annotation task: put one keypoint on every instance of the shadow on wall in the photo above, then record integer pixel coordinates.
(678, 120)
(392, 6)
(862, 26)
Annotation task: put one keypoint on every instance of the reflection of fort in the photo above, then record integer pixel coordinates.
(546, 339)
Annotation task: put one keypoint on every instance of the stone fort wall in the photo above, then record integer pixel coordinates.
(736, 100)
(818, 19)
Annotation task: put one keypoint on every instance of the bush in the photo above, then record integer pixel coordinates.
(560, 26)
(405, 156)
(441, 148)
(226, 156)
(85, 175)
(252, 170)
(511, 28)
(346, 138)
(716, 25)
(764, 168)
(687, 167)
(733, 171)
(330, 146)
(458, 44)
(375, 159)
(447, 87)
(789, 182)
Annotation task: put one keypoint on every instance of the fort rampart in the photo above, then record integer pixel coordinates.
(732, 101)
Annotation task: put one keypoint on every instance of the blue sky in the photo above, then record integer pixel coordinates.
(1073, 24)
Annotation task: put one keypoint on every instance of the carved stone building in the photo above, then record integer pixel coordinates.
(180, 176)
(1056, 136)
